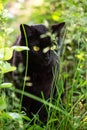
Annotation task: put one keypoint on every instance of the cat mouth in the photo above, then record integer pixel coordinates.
(47, 61)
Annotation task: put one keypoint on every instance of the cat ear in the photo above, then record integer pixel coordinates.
(57, 28)
(32, 30)
(25, 30)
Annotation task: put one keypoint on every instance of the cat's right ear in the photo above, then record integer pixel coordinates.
(56, 28)
(25, 30)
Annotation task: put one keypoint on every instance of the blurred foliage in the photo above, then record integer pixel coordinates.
(8, 100)
(73, 63)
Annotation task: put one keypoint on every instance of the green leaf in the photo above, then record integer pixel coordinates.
(6, 85)
(5, 115)
(20, 48)
(35, 127)
(7, 68)
(1, 7)
(6, 53)
(17, 117)
(2, 103)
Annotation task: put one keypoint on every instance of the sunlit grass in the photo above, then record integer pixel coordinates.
(67, 110)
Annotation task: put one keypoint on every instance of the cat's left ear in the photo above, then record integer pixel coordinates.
(57, 28)
(26, 30)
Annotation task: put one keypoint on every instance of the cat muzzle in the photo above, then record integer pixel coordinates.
(47, 59)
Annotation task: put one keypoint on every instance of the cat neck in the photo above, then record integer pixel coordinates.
(40, 67)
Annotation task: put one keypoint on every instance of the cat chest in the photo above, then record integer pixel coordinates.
(40, 81)
(41, 78)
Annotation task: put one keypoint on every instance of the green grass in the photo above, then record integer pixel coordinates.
(68, 109)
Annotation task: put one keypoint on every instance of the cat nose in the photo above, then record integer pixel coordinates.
(46, 58)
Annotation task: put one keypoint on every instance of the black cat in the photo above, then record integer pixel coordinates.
(41, 60)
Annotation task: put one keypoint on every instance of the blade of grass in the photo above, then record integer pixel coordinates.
(26, 68)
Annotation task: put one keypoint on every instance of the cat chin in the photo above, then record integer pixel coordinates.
(46, 63)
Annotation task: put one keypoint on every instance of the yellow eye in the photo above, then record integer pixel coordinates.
(53, 47)
(36, 48)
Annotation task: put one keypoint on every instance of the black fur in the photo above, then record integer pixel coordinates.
(39, 65)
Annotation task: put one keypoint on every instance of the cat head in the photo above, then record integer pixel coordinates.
(39, 40)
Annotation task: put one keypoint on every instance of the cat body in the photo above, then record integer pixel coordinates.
(41, 60)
